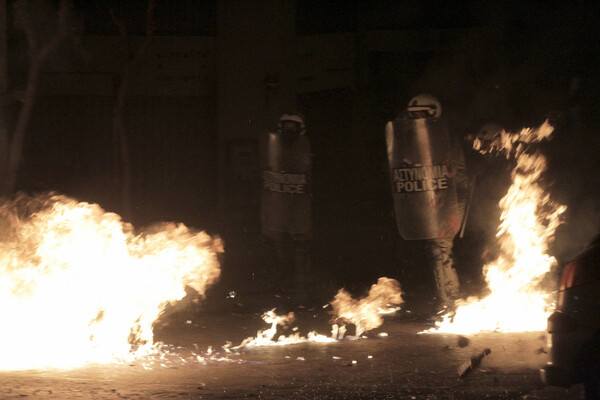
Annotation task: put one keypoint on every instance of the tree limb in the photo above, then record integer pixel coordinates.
(64, 29)
(38, 56)
(23, 20)
(119, 129)
(150, 28)
(122, 31)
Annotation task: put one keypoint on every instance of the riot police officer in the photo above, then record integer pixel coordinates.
(429, 186)
(286, 198)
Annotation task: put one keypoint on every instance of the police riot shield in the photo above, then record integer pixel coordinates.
(421, 157)
(286, 194)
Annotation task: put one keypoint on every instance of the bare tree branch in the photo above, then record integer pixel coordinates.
(23, 20)
(38, 56)
(149, 28)
(64, 29)
(119, 129)
(122, 31)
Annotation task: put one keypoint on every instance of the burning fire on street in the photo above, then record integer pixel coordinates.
(79, 286)
(364, 314)
(529, 219)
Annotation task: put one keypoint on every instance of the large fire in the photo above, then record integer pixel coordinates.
(78, 285)
(528, 222)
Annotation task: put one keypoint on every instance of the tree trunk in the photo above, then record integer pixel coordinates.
(15, 154)
(124, 173)
(38, 55)
(4, 129)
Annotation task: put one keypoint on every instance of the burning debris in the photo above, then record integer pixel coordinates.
(268, 337)
(169, 356)
(365, 314)
(528, 222)
(384, 297)
(499, 141)
(77, 284)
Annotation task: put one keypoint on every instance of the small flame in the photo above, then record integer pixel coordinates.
(512, 144)
(365, 314)
(77, 285)
(267, 337)
(529, 220)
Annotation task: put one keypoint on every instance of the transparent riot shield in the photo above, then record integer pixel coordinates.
(286, 190)
(423, 177)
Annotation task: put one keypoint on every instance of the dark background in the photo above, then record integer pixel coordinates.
(512, 64)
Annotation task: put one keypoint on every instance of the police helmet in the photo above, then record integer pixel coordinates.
(424, 106)
(296, 119)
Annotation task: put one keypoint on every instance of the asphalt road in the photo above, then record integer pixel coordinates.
(402, 365)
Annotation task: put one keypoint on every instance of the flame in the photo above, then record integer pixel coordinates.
(77, 285)
(529, 220)
(267, 337)
(365, 314)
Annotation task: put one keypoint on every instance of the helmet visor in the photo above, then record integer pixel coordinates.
(422, 110)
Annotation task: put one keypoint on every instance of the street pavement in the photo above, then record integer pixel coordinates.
(394, 361)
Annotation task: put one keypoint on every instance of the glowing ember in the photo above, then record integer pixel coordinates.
(365, 314)
(77, 284)
(529, 220)
(169, 356)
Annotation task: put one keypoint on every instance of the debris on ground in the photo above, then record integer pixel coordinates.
(462, 341)
(468, 366)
